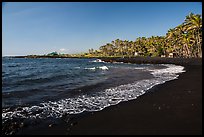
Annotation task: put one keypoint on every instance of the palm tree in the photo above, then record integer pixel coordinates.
(185, 40)
(193, 23)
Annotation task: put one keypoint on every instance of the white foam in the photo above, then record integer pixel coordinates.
(116, 62)
(171, 70)
(103, 68)
(97, 60)
(97, 101)
(94, 68)
(140, 68)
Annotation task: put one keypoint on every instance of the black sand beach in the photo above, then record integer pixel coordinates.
(173, 108)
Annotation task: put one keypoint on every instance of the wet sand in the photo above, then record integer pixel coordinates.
(173, 108)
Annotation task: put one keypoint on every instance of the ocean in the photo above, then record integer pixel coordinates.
(44, 88)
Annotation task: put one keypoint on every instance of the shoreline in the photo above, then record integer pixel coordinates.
(138, 60)
(174, 107)
(156, 60)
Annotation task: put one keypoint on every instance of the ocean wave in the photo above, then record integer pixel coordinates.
(97, 101)
(140, 68)
(93, 68)
(101, 67)
(171, 70)
(97, 60)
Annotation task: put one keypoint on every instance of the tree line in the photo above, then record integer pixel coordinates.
(185, 40)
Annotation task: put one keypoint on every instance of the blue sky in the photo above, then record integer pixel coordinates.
(74, 27)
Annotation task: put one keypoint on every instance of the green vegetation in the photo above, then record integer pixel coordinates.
(52, 54)
(185, 40)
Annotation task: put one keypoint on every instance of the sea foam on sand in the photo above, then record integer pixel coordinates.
(96, 101)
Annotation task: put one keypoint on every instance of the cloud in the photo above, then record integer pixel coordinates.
(62, 49)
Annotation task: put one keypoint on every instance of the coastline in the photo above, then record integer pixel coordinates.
(156, 60)
(174, 107)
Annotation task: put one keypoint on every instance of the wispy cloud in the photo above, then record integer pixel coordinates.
(62, 49)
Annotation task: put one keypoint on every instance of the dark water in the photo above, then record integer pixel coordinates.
(50, 88)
